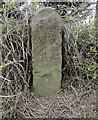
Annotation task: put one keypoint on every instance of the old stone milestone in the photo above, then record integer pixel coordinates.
(47, 28)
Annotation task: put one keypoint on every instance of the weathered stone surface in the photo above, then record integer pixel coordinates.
(47, 45)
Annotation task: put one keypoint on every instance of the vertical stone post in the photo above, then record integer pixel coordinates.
(46, 34)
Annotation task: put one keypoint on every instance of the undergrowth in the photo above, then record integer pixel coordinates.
(79, 66)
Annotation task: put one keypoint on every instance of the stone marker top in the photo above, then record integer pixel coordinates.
(46, 14)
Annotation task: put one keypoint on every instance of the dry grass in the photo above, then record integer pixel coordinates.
(68, 103)
(72, 102)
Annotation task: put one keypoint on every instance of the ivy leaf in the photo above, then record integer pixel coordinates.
(17, 30)
(2, 65)
(62, 12)
(9, 6)
(15, 8)
(74, 57)
(91, 105)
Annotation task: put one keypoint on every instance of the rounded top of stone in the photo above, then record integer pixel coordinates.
(49, 9)
(44, 14)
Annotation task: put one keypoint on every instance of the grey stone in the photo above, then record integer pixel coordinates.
(47, 28)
